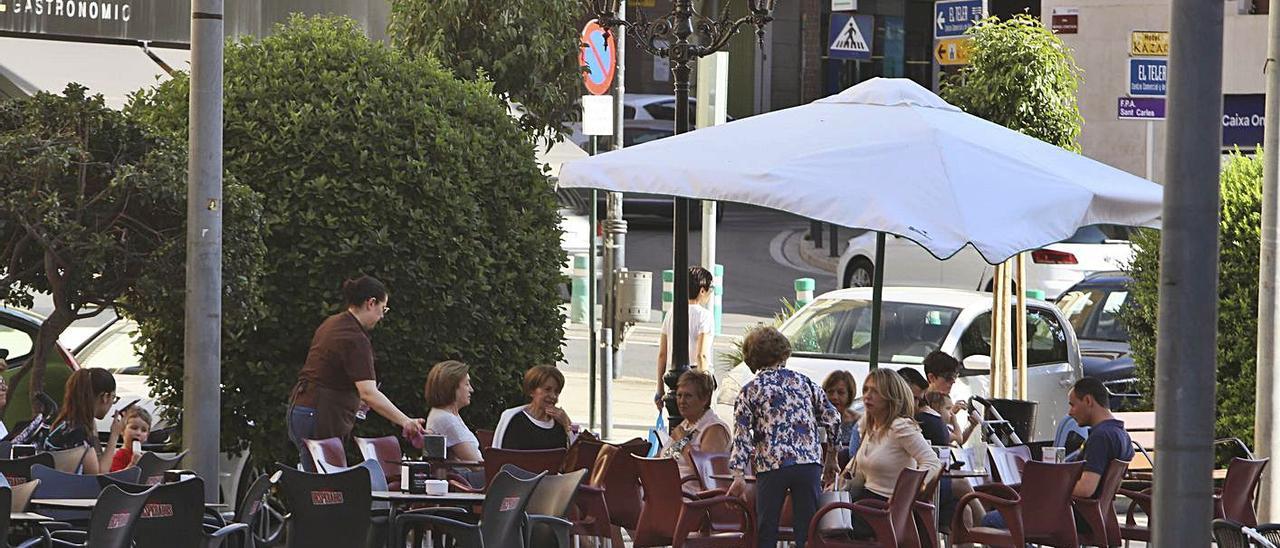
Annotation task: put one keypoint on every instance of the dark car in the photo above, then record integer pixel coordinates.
(640, 208)
(1093, 308)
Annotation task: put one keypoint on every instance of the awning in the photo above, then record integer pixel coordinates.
(29, 65)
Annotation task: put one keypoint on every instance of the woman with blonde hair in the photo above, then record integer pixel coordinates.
(891, 442)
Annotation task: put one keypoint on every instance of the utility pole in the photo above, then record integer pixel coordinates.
(1186, 352)
(615, 234)
(1266, 443)
(202, 348)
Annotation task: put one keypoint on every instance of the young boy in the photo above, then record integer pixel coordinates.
(137, 426)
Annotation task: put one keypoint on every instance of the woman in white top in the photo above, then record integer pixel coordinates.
(447, 391)
(702, 429)
(701, 327)
(891, 441)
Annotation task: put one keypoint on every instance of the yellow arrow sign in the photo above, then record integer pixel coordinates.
(952, 51)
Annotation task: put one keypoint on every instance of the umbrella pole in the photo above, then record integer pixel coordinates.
(1020, 325)
(877, 296)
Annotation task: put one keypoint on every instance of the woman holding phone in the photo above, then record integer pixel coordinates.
(88, 396)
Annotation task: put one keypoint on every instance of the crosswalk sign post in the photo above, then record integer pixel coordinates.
(850, 36)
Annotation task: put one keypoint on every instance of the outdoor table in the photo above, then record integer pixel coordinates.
(398, 497)
(88, 504)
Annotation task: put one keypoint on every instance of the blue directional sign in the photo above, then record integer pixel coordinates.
(1148, 77)
(952, 17)
(850, 36)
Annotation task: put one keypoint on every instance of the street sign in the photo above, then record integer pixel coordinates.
(844, 5)
(953, 51)
(850, 36)
(1065, 21)
(1148, 77)
(1140, 108)
(952, 17)
(1149, 43)
(598, 58)
(1242, 120)
(597, 115)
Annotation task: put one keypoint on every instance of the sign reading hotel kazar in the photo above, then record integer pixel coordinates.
(158, 20)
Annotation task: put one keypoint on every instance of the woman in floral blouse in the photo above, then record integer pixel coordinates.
(781, 421)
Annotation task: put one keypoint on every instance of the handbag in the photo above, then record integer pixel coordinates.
(839, 519)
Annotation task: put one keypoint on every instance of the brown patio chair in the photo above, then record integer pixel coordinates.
(1099, 512)
(696, 526)
(592, 516)
(665, 501)
(1141, 501)
(386, 450)
(622, 485)
(327, 453)
(1235, 500)
(891, 520)
(1044, 519)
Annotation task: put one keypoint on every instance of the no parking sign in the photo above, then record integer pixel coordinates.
(597, 58)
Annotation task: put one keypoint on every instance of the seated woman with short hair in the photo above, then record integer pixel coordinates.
(702, 429)
(539, 424)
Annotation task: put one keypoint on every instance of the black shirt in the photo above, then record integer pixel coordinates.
(523, 434)
(933, 428)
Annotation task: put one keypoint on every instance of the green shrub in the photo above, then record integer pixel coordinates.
(1021, 76)
(373, 162)
(528, 49)
(1241, 224)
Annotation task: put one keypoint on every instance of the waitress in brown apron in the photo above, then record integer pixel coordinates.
(338, 380)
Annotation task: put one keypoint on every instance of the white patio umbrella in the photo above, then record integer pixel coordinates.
(887, 155)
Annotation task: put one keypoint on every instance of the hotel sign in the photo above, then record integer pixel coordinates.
(155, 20)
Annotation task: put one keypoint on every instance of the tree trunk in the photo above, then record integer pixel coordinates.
(50, 330)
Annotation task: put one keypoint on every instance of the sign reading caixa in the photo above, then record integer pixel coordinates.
(1242, 120)
(156, 20)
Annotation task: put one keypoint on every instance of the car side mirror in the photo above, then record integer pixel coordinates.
(977, 362)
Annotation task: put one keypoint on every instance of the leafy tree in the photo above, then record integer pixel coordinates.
(1239, 233)
(370, 161)
(91, 205)
(527, 49)
(1021, 76)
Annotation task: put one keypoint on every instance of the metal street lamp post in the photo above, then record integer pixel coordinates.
(682, 36)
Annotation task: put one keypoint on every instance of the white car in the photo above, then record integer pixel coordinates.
(832, 333)
(1052, 269)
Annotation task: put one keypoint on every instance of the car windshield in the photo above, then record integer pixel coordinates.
(1094, 313)
(1097, 234)
(113, 350)
(841, 328)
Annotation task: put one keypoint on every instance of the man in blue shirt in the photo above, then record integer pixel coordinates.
(1090, 405)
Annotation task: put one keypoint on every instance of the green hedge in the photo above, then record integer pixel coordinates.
(1241, 223)
(373, 162)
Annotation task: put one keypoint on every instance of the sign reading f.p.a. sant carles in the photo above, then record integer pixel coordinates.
(157, 20)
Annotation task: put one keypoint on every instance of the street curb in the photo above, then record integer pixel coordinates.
(812, 256)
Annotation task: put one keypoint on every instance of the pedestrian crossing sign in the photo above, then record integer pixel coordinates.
(850, 36)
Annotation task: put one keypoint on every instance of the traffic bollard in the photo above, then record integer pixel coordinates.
(804, 291)
(578, 296)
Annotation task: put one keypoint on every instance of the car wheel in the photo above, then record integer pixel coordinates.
(859, 273)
